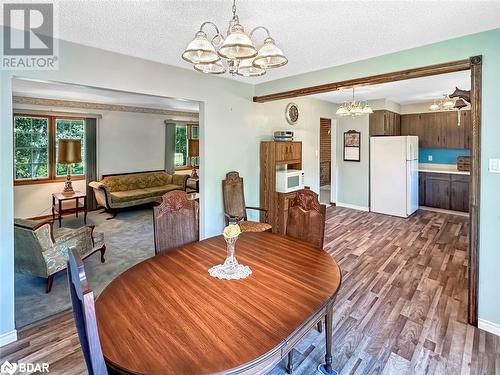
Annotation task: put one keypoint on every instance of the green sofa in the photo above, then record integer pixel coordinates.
(133, 189)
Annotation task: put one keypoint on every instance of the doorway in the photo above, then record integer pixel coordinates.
(325, 160)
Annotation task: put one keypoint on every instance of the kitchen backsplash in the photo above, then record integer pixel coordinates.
(441, 155)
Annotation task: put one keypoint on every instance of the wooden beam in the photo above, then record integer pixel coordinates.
(473, 253)
(449, 67)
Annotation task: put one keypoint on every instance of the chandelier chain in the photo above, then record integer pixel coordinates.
(234, 9)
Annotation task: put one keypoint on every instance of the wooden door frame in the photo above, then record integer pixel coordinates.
(474, 64)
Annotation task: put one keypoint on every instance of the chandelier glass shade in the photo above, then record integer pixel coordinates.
(444, 104)
(235, 52)
(354, 108)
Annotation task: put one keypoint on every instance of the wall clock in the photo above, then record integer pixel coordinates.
(292, 113)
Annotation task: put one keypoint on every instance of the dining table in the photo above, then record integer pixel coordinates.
(167, 315)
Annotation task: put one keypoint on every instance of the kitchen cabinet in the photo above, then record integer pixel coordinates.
(288, 152)
(444, 190)
(437, 190)
(438, 129)
(460, 193)
(385, 123)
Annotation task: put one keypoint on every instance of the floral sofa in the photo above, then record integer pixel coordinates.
(133, 189)
(40, 250)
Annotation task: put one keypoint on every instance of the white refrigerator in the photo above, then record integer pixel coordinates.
(394, 175)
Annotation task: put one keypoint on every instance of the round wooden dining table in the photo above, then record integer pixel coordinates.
(167, 315)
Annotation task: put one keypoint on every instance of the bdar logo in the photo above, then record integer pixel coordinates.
(8, 368)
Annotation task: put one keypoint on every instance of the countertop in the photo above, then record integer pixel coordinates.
(440, 168)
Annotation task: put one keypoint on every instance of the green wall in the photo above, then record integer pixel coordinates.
(486, 44)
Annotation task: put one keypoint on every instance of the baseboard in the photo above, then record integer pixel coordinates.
(488, 326)
(353, 206)
(7, 338)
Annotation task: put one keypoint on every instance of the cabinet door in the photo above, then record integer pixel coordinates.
(295, 151)
(460, 193)
(452, 134)
(377, 123)
(397, 124)
(421, 189)
(280, 149)
(431, 130)
(466, 123)
(437, 190)
(408, 124)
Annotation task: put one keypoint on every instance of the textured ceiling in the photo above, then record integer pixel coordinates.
(313, 34)
(410, 91)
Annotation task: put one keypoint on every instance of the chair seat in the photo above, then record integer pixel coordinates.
(254, 226)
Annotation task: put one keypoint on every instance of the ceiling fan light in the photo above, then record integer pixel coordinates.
(269, 56)
(237, 45)
(211, 68)
(246, 69)
(200, 50)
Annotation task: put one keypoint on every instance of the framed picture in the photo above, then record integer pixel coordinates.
(352, 142)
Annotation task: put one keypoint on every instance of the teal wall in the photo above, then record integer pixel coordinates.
(441, 155)
(486, 44)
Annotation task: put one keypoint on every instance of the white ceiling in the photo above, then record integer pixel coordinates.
(21, 87)
(313, 34)
(410, 91)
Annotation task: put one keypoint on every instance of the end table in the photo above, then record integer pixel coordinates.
(59, 198)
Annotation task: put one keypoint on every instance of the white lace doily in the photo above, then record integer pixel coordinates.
(242, 272)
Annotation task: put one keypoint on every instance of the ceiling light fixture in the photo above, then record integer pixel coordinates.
(237, 49)
(354, 108)
(444, 104)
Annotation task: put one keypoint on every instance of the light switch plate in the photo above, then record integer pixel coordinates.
(494, 166)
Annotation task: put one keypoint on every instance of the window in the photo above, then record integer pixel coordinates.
(183, 133)
(35, 147)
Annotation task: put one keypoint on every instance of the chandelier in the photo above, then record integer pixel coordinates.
(446, 104)
(354, 108)
(236, 51)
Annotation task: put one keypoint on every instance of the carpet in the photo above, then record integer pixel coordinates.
(129, 240)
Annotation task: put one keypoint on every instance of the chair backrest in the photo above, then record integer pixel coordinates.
(233, 195)
(306, 218)
(82, 299)
(175, 221)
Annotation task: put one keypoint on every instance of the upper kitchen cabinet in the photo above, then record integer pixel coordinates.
(438, 129)
(385, 123)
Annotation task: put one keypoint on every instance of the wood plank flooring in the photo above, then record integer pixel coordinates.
(401, 308)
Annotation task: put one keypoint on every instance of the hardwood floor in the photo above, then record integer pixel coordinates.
(401, 308)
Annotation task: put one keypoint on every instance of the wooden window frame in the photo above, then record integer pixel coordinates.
(189, 129)
(52, 164)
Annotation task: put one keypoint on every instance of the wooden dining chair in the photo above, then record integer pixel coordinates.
(175, 221)
(235, 209)
(306, 221)
(82, 299)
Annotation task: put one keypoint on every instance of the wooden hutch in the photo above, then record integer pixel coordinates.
(272, 155)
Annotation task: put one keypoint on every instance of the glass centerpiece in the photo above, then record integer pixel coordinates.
(230, 269)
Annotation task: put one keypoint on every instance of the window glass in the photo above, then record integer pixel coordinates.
(71, 129)
(181, 146)
(31, 148)
(195, 132)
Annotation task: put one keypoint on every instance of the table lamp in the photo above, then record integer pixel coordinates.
(194, 152)
(69, 152)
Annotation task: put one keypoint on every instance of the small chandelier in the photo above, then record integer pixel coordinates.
(444, 104)
(354, 108)
(236, 51)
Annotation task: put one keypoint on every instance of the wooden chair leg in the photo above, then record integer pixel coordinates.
(50, 280)
(103, 250)
(289, 366)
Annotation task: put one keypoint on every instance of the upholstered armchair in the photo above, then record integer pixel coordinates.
(41, 251)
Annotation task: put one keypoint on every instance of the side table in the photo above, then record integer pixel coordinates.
(59, 198)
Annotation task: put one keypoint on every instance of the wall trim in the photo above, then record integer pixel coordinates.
(353, 206)
(488, 326)
(8, 337)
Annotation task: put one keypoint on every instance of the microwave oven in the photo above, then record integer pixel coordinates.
(289, 180)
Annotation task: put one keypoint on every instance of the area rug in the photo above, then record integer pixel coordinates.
(129, 240)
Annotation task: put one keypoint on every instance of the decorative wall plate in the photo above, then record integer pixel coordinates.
(292, 113)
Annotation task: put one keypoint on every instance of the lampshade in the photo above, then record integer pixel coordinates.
(246, 69)
(200, 50)
(194, 148)
(269, 56)
(69, 151)
(237, 45)
(434, 107)
(211, 68)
